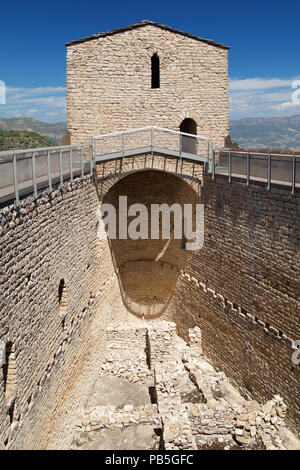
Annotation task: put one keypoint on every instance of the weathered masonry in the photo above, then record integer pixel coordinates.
(61, 285)
(147, 74)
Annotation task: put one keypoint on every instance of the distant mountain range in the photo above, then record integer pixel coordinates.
(53, 132)
(278, 133)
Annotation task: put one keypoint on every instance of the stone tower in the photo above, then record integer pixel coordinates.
(147, 74)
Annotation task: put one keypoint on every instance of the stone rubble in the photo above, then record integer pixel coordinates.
(195, 406)
(100, 417)
(127, 357)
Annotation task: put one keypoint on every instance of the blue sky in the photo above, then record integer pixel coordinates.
(263, 36)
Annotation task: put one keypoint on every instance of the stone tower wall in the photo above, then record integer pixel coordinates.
(109, 84)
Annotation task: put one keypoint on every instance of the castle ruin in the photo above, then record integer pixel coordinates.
(208, 335)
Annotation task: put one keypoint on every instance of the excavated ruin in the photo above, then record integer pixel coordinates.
(154, 391)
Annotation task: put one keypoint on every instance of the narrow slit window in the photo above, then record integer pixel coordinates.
(62, 298)
(10, 373)
(155, 81)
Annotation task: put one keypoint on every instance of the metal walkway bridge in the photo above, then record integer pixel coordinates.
(24, 172)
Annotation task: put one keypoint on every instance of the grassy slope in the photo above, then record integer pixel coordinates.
(13, 140)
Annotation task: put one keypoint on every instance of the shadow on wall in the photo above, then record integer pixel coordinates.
(148, 269)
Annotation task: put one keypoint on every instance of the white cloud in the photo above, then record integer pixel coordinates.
(258, 83)
(284, 105)
(56, 101)
(44, 103)
(31, 111)
(2, 92)
(259, 97)
(36, 91)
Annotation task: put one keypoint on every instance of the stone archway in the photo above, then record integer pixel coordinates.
(192, 115)
(108, 173)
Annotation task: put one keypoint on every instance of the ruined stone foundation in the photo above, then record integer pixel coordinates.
(154, 391)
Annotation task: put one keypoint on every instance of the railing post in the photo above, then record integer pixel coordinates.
(82, 165)
(248, 168)
(294, 174)
(269, 171)
(15, 173)
(49, 171)
(207, 166)
(123, 150)
(34, 176)
(152, 150)
(91, 156)
(71, 164)
(180, 153)
(152, 140)
(229, 166)
(60, 169)
(213, 162)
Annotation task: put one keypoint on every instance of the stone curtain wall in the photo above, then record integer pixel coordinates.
(242, 288)
(109, 84)
(252, 250)
(42, 243)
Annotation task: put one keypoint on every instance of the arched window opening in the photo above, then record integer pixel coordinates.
(155, 72)
(189, 144)
(10, 374)
(62, 298)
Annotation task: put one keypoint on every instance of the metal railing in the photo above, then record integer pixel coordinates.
(24, 172)
(269, 167)
(152, 139)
